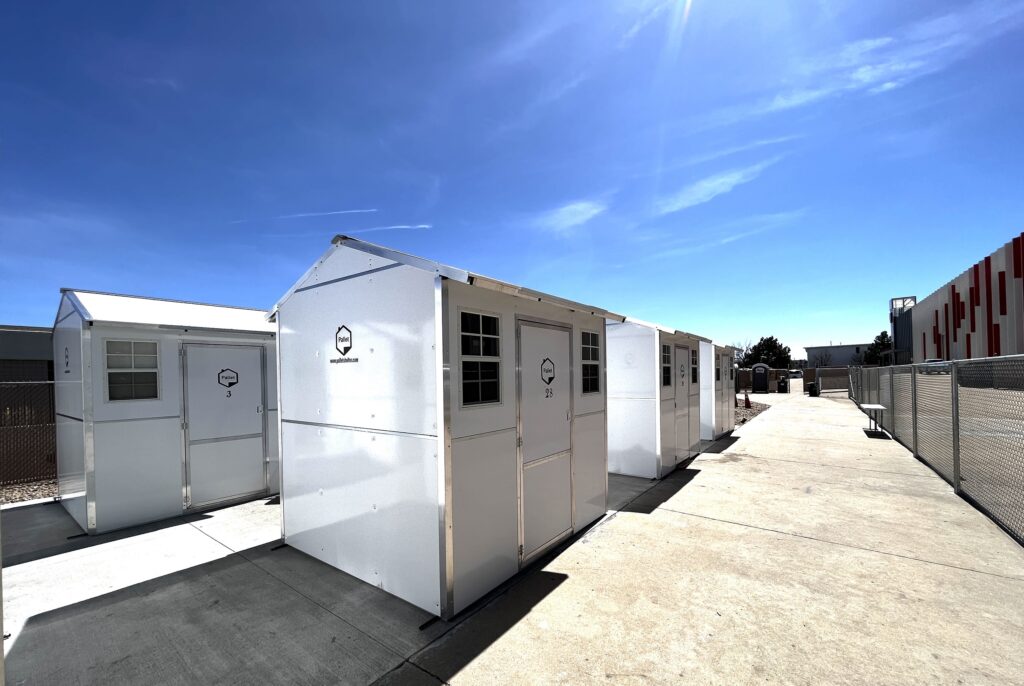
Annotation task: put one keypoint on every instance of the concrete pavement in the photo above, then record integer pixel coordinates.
(804, 552)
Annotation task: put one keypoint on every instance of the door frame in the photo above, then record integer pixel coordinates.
(186, 455)
(683, 369)
(540, 323)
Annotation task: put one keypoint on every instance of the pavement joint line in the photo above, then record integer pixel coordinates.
(836, 466)
(408, 661)
(843, 545)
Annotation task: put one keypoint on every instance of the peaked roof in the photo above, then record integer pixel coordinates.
(94, 306)
(666, 329)
(453, 273)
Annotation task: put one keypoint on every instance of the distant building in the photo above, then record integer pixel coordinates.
(836, 355)
(26, 353)
(980, 313)
(901, 318)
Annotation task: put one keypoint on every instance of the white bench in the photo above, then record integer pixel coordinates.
(871, 409)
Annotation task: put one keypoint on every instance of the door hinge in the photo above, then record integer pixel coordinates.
(519, 442)
(520, 551)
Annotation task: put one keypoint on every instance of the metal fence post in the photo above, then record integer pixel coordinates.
(956, 425)
(913, 406)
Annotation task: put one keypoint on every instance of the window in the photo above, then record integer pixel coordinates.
(131, 370)
(591, 358)
(666, 365)
(732, 369)
(694, 367)
(481, 349)
(718, 369)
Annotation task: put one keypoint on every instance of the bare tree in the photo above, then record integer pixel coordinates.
(823, 359)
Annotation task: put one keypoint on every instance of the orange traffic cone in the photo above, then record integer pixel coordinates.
(746, 401)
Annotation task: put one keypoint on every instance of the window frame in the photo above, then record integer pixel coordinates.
(666, 349)
(463, 405)
(107, 370)
(591, 362)
(694, 368)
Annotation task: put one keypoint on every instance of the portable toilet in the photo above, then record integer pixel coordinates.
(653, 398)
(439, 429)
(759, 377)
(163, 407)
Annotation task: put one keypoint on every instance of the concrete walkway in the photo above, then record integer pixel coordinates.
(806, 552)
(803, 552)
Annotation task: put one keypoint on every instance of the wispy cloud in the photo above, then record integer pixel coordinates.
(347, 232)
(302, 215)
(884, 64)
(711, 187)
(161, 82)
(562, 220)
(393, 227)
(731, 232)
(642, 21)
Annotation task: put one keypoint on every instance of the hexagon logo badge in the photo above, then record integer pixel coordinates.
(227, 378)
(547, 371)
(343, 340)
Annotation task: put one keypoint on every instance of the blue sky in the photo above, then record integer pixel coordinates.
(733, 168)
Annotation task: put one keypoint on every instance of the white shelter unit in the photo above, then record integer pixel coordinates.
(439, 429)
(725, 390)
(708, 402)
(162, 407)
(653, 398)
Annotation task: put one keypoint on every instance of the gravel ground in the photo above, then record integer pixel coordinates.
(31, 491)
(743, 415)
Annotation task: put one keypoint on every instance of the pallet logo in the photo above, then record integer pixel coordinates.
(343, 344)
(547, 371)
(227, 378)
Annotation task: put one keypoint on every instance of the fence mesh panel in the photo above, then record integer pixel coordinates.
(935, 417)
(903, 406)
(28, 444)
(991, 408)
(832, 379)
(885, 397)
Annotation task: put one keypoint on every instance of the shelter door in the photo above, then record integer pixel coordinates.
(545, 414)
(224, 422)
(682, 381)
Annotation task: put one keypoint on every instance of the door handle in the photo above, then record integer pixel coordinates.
(567, 415)
(259, 409)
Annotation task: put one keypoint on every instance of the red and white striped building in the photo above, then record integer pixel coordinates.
(978, 314)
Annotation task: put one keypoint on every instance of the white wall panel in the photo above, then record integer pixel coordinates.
(138, 472)
(71, 467)
(590, 468)
(387, 380)
(485, 514)
(708, 403)
(632, 437)
(366, 503)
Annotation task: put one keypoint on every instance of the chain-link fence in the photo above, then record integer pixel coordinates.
(28, 450)
(964, 419)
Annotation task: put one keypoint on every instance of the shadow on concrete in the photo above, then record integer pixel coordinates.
(651, 499)
(264, 615)
(877, 433)
(448, 655)
(721, 444)
(33, 532)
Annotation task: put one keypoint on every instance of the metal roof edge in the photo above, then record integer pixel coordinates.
(73, 291)
(666, 329)
(272, 313)
(446, 271)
